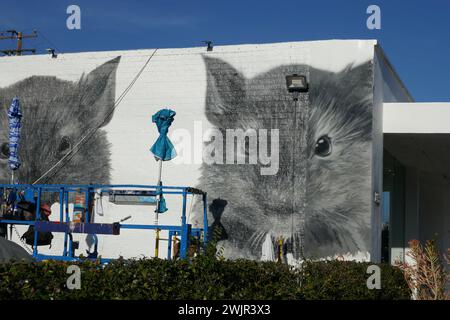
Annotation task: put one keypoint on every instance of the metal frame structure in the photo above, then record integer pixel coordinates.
(65, 225)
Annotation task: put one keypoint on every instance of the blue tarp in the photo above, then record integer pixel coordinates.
(161, 204)
(163, 148)
(14, 116)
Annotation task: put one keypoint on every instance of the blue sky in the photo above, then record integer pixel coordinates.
(415, 34)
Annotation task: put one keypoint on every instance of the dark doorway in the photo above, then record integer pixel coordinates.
(393, 219)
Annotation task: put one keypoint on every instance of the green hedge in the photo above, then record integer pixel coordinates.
(346, 280)
(201, 278)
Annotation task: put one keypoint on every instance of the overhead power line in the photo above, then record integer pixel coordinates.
(68, 156)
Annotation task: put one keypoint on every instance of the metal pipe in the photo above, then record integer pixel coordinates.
(205, 220)
(61, 205)
(169, 245)
(37, 218)
(184, 230)
(72, 187)
(30, 223)
(152, 227)
(66, 208)
(157, 243)
(157, 208)
(86, 206)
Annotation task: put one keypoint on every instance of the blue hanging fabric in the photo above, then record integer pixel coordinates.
(162, 205)
(14, 116)
(163, 148)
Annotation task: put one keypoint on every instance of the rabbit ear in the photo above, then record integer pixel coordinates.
(354, 75)
(225, 89)
(98, 93)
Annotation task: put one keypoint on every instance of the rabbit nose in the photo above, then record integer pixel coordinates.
(281, 199)
(282, 208)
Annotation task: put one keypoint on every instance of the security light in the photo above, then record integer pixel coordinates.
(296, 83)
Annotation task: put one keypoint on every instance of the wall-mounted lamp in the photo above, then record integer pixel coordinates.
(52, 52)
(209, 45)
(296, 83)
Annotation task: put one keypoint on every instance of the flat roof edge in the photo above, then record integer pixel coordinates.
(422, 117)
(195, 48)
(379, 50)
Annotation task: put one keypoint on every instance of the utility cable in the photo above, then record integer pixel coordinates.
(89, 135)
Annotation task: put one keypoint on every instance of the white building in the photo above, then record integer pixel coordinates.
(353, 137)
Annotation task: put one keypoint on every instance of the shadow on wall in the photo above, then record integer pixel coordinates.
(218, 232)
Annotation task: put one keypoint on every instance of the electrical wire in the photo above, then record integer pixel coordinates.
(90, 134)
(49, 42)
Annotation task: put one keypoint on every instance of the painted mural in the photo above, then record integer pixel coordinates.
(58, 113)
(318, 202)
(305, 175)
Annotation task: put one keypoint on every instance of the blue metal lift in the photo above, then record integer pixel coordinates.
(68, 227)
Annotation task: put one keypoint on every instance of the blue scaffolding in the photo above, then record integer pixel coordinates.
(67, 226)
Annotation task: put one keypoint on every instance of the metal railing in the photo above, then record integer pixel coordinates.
(67, 226)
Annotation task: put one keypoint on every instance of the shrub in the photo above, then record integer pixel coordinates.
(426, 275)
(204, 277)
(347, 280)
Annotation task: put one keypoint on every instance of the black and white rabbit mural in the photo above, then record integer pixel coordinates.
(319, 200)
(57, 113)
(316, 197)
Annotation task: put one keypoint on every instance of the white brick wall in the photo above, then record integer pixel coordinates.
(174, 78)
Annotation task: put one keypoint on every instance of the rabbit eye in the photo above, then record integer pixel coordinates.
(64, 146)
(323, 146)
(4, 150)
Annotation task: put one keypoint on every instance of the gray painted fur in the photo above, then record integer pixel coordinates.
(56, 114)
(320, 205)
